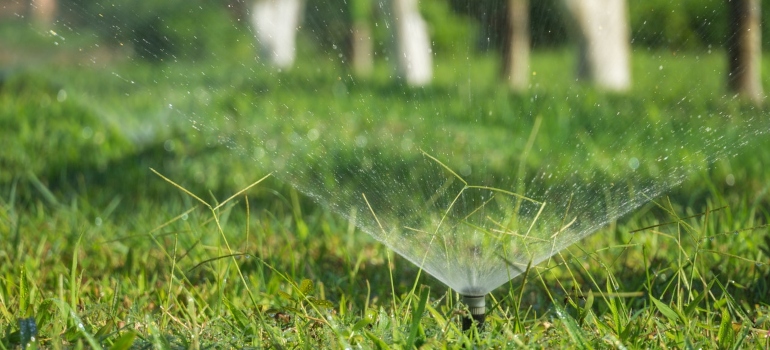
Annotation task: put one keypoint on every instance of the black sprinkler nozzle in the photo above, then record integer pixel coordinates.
(478, 311)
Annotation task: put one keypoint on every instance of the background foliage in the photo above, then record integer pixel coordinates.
(165, 29)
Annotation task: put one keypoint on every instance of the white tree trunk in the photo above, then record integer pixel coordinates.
(603, 37)
(744, 49)
(516, 46)
(414, 61)
(362, 47)
(361, 42)
(275, 25)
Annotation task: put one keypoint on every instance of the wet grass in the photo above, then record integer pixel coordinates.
(96, 250)
(294, 275)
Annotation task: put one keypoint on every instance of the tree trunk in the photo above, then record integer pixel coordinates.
(603, 40)
(744, 49)
(237, 10)
(361, 43)
(516, 46)
(275, 25)
(361, 49)
(43, 12)
(414, 61)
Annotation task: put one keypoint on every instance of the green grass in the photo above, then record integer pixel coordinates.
(90, 236)
(699, 281)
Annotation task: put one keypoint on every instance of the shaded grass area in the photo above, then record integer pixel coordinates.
(89, 122)
(100, 251)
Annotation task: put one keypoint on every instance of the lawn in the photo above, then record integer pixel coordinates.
(133, 210)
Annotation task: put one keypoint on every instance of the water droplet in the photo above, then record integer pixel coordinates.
(271, 145)
(465, 170)
(633, 163)
(98, 221)
(184, 217)
(87, 132)
(361, 140)
(313, 134)
(730, 180)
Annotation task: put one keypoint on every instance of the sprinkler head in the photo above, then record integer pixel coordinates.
(477, 306)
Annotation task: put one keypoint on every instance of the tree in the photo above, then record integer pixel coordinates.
(361, 43)
(744, 49)
(603, 42)
(516, 46)
(275, 25)
(413, 52)
(237, 10)
(43, 12)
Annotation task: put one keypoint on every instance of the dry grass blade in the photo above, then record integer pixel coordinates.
(241, 191)
(444, 166)
(181, 188)
(678, 221)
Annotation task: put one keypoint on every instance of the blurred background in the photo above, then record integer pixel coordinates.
(93, 89)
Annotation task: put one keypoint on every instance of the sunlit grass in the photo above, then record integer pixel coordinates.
(697, 280)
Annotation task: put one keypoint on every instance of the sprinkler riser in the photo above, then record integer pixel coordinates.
(478, 311)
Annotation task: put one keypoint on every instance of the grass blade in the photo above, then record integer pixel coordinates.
(124, 342)
(47, 194)
(78, 322)
(574, 331)
(726, 335)
(378, 343)
(182, 188)
(417, 316)
(738, 344)
(666, 310)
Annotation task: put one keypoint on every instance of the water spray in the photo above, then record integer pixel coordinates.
(478, 311)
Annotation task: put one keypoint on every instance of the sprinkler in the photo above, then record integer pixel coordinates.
(477, 306)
